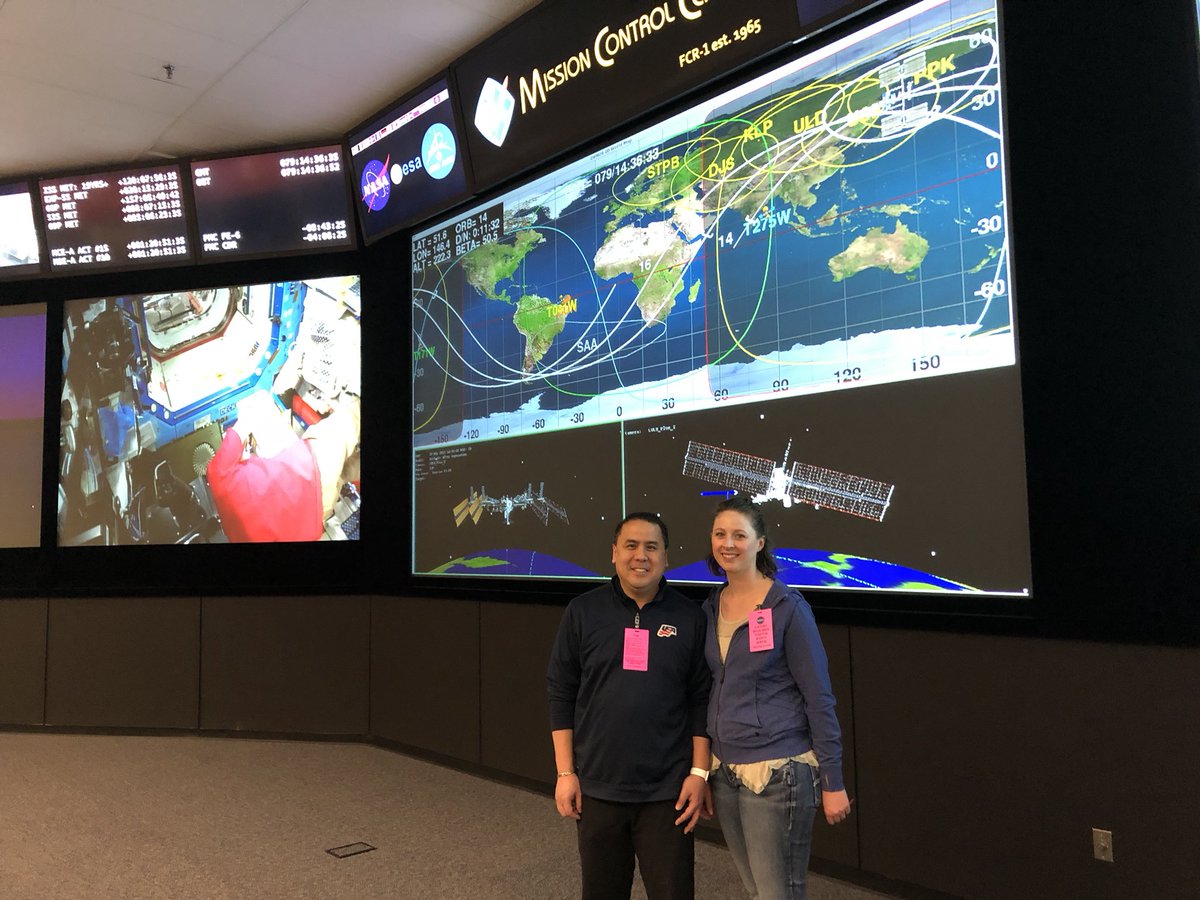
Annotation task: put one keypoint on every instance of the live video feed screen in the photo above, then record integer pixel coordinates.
(22, 412)
(796, 291)
(212, 415)
(19, 253)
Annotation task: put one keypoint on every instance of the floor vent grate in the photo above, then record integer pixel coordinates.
(349, 850)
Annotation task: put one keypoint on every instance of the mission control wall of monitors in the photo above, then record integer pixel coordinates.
(790, 291)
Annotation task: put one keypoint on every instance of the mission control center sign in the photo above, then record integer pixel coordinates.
(568, 72)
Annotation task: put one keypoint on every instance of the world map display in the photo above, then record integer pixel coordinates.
(834, 225)
(840, 221)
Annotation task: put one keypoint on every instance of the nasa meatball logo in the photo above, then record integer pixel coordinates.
(375, 186)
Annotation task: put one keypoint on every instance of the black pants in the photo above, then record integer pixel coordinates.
(611, 834)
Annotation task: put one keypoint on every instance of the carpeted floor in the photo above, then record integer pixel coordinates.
(94, 816)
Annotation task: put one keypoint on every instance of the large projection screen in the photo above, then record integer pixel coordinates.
(212, 415)
(22, 405)
(798, 290)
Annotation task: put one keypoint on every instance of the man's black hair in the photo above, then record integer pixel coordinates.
(652, 518)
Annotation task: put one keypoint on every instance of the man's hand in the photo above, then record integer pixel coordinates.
(568, 796)
(837, 806)
(695, 800)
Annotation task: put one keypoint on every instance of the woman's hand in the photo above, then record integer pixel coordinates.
(837, 806)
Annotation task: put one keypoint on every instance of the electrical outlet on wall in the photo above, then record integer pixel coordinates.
(1102, 844)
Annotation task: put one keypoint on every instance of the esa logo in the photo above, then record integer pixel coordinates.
(378, 178)
(399, 170)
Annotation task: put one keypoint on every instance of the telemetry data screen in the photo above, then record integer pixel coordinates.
(270, 203)
(118, 219)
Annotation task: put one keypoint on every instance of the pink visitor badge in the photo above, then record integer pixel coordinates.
(637, 650)
(762, 636)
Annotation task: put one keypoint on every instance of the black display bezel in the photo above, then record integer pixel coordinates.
(430, 207)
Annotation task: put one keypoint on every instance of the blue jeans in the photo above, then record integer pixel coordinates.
(770, 834)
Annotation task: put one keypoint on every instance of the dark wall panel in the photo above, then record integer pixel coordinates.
(425, 675)
(22, 662)
(985, 762)
(287, 664)
(514, 650)
(840, 844)
(123, 662)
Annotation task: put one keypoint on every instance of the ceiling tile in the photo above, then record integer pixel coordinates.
(114, 133)
(330, 39)
(20, 71)
(107, 38)
(269, 98)
(235, 21)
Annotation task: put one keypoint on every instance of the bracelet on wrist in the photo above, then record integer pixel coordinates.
(565, 774)
(699, 773)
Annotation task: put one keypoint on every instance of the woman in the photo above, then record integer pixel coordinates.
(776, 744)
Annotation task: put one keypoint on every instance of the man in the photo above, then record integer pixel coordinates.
(285, 494)
(628, 692)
